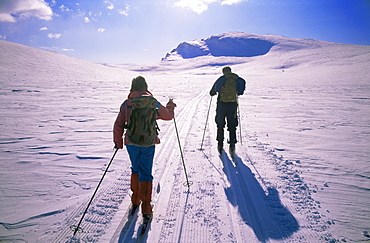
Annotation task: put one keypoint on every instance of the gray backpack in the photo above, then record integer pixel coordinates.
(228, 90)
(142, 127)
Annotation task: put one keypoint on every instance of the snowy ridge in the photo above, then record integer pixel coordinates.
(238, 44)
(302, 161)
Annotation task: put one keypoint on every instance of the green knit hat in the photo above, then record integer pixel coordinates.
(139, 84)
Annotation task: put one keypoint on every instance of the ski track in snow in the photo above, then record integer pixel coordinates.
(221, 190)
(253, 208)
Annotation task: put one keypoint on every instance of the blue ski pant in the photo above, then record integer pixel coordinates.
(141, 161)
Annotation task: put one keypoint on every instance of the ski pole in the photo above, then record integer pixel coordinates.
(205, 126)
(77, 228)
(240, 123)
(240, 126)
(187, 183)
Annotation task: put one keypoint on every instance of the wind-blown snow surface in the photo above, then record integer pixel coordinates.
(302, 167)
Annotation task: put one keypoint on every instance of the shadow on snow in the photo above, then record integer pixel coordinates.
(262, 211)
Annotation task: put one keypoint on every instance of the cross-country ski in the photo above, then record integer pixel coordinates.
(144, 229)
(131, 215)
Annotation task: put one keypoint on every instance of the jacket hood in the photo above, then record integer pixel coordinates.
(134, 94)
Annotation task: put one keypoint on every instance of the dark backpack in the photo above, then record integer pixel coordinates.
(228, 90)
(142, 127)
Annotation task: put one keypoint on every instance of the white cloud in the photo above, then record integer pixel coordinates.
(43, 28)
(124, 11)
(68, 49)
(6, 18)
(101, 30)
(87, 20)
(199, 6)
(110, 6)
(12, 10)
(230, 2)
(3, 37)
(64, 8)
(55, 36)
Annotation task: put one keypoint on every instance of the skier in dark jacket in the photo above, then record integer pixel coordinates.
(229, 86)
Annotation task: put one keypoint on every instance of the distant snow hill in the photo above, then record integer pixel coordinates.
(17, 56)
(23, 62)
(239, 44)
(217, 50)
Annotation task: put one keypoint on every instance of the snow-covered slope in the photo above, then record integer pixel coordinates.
(19, 62)
(238, 44)
(265, 51)
(302, 167)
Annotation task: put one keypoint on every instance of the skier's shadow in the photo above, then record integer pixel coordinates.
(263, 212)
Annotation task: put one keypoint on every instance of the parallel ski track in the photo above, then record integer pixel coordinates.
(176, 178)
(103, 208)
(195, 215)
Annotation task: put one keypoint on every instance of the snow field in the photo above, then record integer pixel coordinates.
(301, 174)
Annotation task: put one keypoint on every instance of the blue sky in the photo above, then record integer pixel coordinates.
(143, 31)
